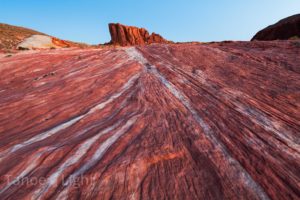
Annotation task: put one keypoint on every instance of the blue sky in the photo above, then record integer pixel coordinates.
(177, 20)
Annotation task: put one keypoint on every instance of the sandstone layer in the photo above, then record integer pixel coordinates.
(129, 35)
(288, 28)
(164, 121)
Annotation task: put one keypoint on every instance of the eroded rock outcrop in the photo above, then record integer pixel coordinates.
(129, 35)
(288, 28)
(42, 42)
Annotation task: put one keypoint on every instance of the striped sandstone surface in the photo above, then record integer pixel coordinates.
(163, 121)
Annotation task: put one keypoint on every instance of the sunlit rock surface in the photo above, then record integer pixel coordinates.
(41, 42)
(188, 121)
(123, 35)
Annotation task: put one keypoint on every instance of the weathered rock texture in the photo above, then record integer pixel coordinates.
(288, 28)
(129, 35)
(188, 121)
(42, 42)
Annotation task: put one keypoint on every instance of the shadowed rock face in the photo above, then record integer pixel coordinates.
(129, 35)
(188, 121)
(288, 28)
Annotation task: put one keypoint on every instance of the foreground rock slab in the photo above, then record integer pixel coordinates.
(188, 121)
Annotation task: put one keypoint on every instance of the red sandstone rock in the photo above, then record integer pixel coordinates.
(188, 121)
(129, 35)
(62, 43)
(288, 28)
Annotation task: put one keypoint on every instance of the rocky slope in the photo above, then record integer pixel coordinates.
(288, 28)
(163, 121)
(13, 38)
(129, 35)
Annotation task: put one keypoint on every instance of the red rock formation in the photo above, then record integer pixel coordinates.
(188, 121)
(129, 35)
(61, 43)
(288, 28)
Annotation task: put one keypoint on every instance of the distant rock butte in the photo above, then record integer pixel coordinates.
(288, 28)
(129, 35)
